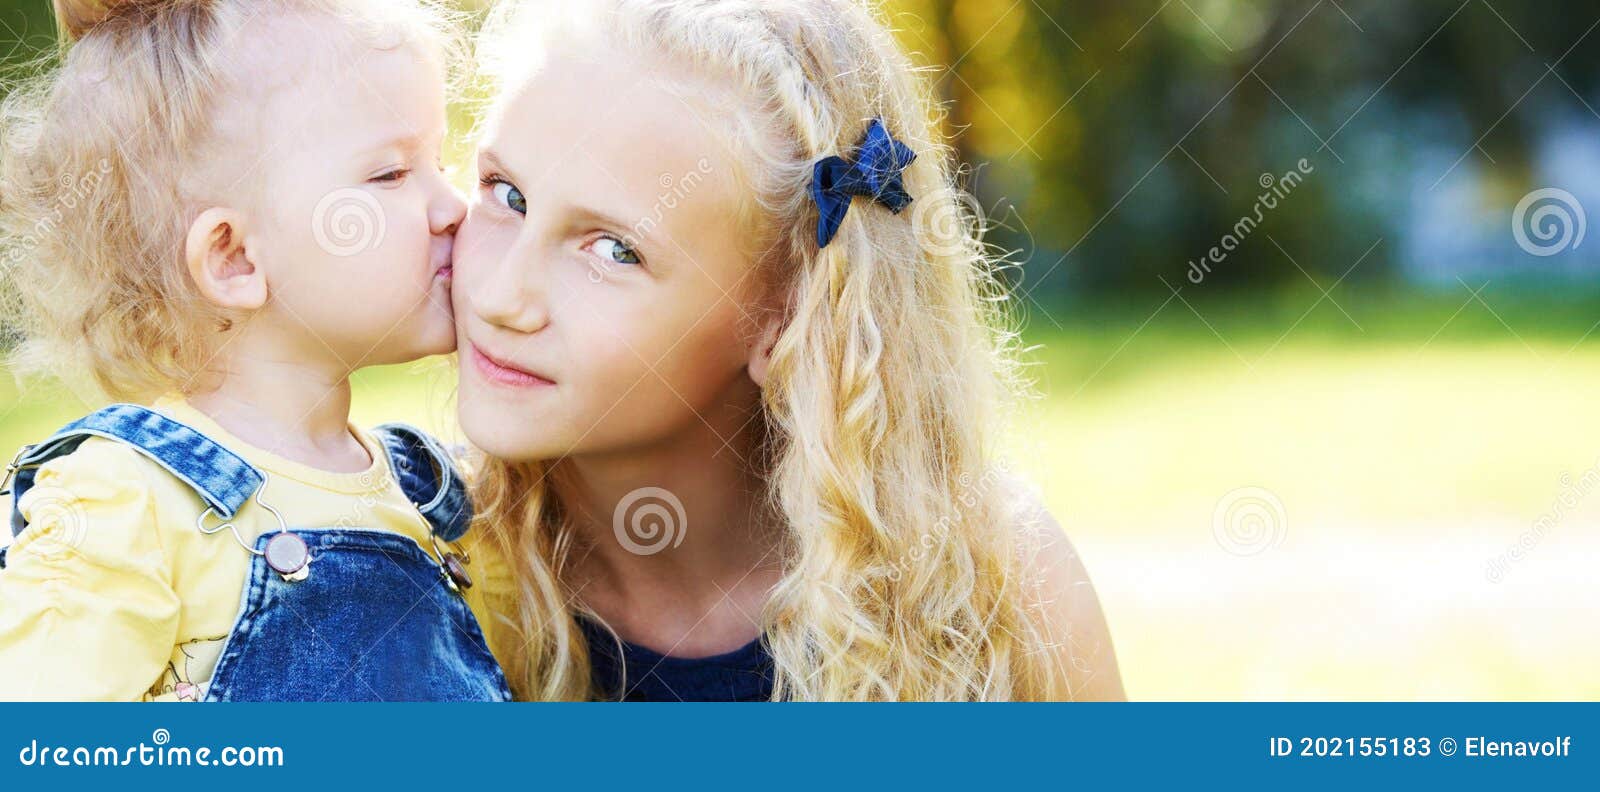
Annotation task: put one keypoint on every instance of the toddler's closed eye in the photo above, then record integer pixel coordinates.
(391, 177)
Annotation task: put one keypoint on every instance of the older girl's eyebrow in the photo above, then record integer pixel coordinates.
(611, 220)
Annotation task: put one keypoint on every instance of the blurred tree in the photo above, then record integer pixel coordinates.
(1116, 142)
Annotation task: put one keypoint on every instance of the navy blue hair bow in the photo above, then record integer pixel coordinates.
(875, 174)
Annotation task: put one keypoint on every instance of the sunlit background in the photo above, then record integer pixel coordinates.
(1354, 451)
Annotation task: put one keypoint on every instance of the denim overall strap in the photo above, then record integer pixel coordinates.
(429, 478)
(219, 476)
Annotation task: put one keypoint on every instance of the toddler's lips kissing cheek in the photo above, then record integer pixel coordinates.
(441, 260)
(444, 258)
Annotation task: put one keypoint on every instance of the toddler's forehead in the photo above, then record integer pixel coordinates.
(287, 63)
(282, 49)
(284, 72)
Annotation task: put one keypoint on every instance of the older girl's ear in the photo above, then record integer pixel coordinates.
(219, 262)
(761, 346)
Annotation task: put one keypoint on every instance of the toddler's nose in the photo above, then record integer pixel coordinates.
(447, 209)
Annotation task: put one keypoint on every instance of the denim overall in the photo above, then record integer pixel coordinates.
(372, 616)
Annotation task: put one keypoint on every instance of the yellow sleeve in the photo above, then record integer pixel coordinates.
(87, 607)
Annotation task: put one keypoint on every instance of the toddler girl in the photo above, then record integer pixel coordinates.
(221, 209)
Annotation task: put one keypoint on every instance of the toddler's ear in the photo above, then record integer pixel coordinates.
(219, 262)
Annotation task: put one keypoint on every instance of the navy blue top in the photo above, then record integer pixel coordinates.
(744, 674)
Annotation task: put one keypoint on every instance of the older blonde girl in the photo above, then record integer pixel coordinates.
(738, 359)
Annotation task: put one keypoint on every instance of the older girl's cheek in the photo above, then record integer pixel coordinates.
(474, 245)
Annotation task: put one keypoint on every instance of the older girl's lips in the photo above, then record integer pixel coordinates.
(497, 370)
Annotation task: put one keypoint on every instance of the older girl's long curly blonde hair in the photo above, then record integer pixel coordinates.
(110, 149)
(904, 566)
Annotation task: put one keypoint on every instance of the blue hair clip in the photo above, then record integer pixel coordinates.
(875, 174)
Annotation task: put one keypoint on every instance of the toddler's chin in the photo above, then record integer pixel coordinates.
(436, 335)
(442, 342)
(439, 326)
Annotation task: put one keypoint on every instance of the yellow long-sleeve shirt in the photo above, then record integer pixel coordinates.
(113, 594)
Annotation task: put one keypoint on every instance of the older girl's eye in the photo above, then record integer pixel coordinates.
(613, 249)
(507, 194)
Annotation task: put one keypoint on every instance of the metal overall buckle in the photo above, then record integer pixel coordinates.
(11, 469)
(452, 565)
(286, 552)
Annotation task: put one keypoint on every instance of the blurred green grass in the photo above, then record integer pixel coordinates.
(1431, 394)
(1405, 454)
